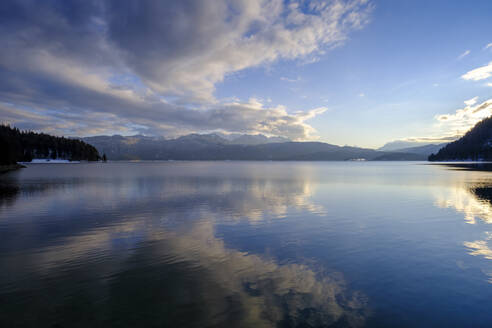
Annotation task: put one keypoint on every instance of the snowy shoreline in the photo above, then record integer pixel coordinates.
(50, 161)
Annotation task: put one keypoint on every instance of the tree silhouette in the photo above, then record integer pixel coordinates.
(23, 146)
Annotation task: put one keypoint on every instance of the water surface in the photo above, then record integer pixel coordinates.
(246, 244)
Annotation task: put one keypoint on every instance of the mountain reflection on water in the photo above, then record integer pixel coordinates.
(222, 244)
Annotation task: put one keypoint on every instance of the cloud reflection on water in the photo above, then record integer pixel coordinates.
(150, 245)
(474, 201)
(465, 200)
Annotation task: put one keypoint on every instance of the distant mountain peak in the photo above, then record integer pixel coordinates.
(256, 139)
(401, 144)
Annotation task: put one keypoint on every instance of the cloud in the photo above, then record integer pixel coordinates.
(471, 102)
(155, 64)
(167, 119)
(466, 53)
(286, 79)
(432, 139)
(459, 122)
(208, 41)
(478, 74)
(449, 127)
(488, 46)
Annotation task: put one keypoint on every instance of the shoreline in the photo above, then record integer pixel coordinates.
(11, 167)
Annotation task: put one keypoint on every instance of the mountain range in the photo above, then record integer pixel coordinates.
(424, 150)
(404, 146)
(400, 144)
(217, 146)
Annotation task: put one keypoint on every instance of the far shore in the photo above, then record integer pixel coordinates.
(11, 167)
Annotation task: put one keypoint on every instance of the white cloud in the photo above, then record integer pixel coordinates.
(421, 141)
(239, 35)
(161, 119)
(478, 74)
(459, 122)
(133, 68)
(471, 102)
(488, 46)
(286, 79)
(449, 127)
(466, 53)
(489, 84)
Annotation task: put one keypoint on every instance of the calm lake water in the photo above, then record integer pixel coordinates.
(246, 244)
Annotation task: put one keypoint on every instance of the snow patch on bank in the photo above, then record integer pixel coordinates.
(50, 161)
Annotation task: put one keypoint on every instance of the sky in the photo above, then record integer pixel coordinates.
(353, 72)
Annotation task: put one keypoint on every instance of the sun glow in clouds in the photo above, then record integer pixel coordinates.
(463, 119)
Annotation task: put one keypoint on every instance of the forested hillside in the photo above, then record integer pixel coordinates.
(23, 146)
(475, 145)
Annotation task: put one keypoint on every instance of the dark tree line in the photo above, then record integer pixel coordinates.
(23, 146)
(475, 145)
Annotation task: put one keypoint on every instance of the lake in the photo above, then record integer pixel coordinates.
(246, 244)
